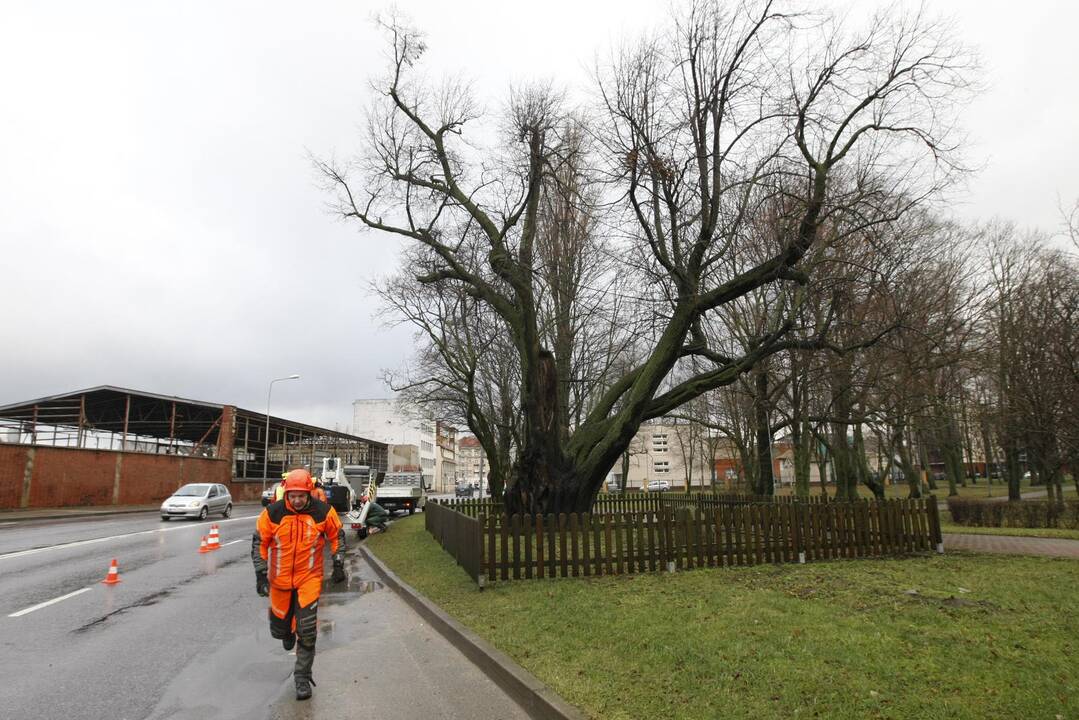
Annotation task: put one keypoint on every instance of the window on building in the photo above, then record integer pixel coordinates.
(661, 467)
(659, 443)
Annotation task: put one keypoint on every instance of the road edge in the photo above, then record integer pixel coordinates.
(534, 697)
(20, 515)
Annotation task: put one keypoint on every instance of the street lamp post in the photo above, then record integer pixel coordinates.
(266, 458)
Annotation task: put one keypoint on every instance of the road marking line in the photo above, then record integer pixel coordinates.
(232, 543)
(77, 543)
(48, 602)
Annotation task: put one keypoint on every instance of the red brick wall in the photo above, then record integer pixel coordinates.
(68, 477)
(725, 464)
(241, 491)
(64, 477)
(12, 467)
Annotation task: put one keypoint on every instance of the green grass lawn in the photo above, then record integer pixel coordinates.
(980, 637)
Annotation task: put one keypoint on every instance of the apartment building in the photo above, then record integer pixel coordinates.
(433, 443)
(471, 460)
(682, 454)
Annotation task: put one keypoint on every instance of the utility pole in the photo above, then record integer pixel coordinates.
(480, 484)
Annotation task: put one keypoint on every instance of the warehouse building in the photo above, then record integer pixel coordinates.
(112, 446)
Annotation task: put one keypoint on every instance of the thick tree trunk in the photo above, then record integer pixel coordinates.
(762, 419)
(1050, 490)
(748, 471)
(843, 461)
(968, 445)
(987, 445)
(544, 479)
(801, 436)
(1011, 468)
(925, 474)
(625, 471)
(803, 456)
(843, 464)
(822, 467)
(952, 453)
(906, 464)
(862, 466)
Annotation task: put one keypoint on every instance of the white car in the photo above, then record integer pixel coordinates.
(198, 500)
(658, 486)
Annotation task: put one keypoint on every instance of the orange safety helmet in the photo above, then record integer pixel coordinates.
(299, 481)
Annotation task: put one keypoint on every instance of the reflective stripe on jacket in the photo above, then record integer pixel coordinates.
(291, 541)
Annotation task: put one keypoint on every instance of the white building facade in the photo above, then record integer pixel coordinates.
(434, 442)
(472, 461)
(681, 454)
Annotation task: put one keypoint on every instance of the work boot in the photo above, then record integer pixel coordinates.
(288, 642)
(305, 660)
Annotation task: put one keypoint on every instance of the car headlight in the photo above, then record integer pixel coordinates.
(196, 503)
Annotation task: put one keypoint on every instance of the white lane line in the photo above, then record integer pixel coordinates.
(48, 602)
(77, 543)
(232, 543)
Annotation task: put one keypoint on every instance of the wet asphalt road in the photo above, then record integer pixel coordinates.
(182, 636)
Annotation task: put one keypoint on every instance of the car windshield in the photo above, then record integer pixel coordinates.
(191, 491)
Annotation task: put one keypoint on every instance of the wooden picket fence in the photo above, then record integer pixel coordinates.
(459, 534)
(675, 535)
(644, 502)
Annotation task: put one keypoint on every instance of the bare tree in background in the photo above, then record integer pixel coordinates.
(698, 129)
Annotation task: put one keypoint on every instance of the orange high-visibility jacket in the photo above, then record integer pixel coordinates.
(291, 541)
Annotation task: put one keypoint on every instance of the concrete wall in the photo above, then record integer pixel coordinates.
(40, 477)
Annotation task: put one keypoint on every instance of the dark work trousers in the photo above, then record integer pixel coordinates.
(306, 626)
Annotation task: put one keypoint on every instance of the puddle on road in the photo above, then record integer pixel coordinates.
(353, 587)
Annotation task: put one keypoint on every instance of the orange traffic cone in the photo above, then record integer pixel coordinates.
(203, 548)
(213, 542)
(113, 576)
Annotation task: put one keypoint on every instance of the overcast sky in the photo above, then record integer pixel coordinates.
(162, 229)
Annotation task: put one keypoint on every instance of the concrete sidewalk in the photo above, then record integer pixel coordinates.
(377, 658)
(1011, 545)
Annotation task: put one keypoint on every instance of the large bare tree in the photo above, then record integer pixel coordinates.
(700, 127)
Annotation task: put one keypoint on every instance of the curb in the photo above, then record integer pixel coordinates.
(535, 698)
(76, 514)
(9, 515)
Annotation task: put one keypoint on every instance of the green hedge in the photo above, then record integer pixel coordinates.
(1024, 513)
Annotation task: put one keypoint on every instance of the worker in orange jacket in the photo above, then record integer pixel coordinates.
(319, 492)
(286, 549)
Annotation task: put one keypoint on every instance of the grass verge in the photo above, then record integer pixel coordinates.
(953, 636)
(1062, 533)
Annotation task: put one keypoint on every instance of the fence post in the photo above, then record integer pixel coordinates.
(478, 540)
(664, 546)
(934, 524)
